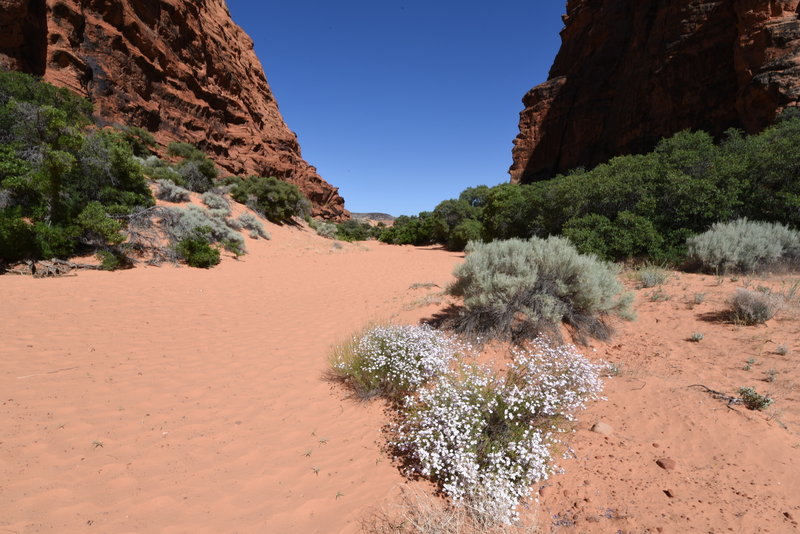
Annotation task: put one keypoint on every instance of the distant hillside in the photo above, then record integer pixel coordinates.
(381, 217)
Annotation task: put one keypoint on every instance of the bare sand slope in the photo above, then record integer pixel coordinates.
(184, 400)
(727, 469)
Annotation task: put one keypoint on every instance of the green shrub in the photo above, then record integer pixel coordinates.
(197, 171)
(515, 289)
(754, 400)
(465, 231)
(197, 251)
(744, 246)
(279, 202)
(753, 307)
(353, 230)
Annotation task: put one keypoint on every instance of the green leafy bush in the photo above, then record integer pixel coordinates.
(197, 251)
(198, 172)
(279, 202)
(754, 400)
(515, 289)
(744, 246)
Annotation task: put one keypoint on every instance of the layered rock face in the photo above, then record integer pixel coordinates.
(631, 72)
(179, 68)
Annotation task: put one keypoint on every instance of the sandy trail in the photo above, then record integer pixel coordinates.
(184, 400)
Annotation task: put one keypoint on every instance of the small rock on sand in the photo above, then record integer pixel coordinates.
(667, 464)
(602, 428)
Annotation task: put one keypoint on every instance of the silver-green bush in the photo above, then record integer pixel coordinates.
(516, 289)
(216, 202)
(326, 229)
(745, 246)
(251, 222)
(181, 223)
(167, 190)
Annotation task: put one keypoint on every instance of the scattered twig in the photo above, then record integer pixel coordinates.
(48, 372)
(719, 395)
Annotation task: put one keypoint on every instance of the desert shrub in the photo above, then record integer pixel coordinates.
(234, 224)
(649, 275)
(393, 361)
(197, 251)
(198, 173)
(167, 190)
(181, 224)
(217, 202)
(745, 246)
(483, 438)
(515, 289)
(275, 200)
(753, 307)
(251, 222)
(754, 400)
(326, 229)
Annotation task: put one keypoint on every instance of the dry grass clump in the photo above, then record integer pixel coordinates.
(753, 307)
(420, 513)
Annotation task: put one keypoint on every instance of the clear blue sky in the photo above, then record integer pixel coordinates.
(403, 104)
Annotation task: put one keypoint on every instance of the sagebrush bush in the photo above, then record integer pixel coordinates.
(484, 438)
(753, 307)
(216, 202)
(181, 223)
(251, 222)
(744, 246)
(393, 361)
(167, 190)
(326, 229)
(651, 276)
(515, 289)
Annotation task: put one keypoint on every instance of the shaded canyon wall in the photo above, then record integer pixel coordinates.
(631, 72)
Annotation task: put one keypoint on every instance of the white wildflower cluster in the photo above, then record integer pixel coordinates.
(484, 438)
(560, 378)
(396, 360)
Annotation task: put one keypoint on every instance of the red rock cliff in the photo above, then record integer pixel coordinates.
(179, 68)
(630, 72)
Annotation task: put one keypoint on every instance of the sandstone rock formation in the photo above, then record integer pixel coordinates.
(631, 72)
(179, 68)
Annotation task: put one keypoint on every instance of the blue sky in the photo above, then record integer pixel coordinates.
(403, 104)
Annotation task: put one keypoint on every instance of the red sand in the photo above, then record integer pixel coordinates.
(186, 400)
